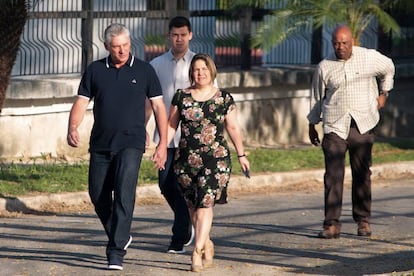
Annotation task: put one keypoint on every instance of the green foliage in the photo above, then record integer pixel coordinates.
(147, 172)
(155, 40)
(53, 177)
(229, 41)
(296, 14)
(234, 4)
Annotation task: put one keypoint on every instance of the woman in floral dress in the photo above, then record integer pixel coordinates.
(202, 161)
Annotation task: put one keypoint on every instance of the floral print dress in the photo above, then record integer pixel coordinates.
(202, 160)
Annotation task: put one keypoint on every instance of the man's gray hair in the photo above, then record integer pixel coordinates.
(114, 29)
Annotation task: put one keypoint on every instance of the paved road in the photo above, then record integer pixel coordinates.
(264, 234)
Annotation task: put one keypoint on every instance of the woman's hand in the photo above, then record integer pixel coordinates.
(245, 165)
(160, 157)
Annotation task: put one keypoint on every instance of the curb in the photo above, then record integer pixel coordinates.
(237, 184)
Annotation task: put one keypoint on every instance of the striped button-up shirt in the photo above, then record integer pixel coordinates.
(348, 89)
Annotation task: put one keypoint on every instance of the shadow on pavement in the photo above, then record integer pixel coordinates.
(260, 235)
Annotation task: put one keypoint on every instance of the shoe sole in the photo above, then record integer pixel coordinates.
(190, 241)
(335, 236)
(176, 251)
(128, 243)
(208, 263)
(197, 268)
(364, 234)
(115, 267)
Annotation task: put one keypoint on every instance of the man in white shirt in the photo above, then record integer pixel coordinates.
(172, 70)
(348, 90)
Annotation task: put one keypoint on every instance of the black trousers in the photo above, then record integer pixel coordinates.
(360, 157)
(112, 187)
(167, 181)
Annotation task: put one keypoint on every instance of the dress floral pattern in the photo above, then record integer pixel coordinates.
(202, 161)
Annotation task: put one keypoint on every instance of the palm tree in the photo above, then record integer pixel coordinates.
(13, 15)
(295, 14)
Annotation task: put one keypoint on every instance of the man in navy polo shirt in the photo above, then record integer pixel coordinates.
(119, 85)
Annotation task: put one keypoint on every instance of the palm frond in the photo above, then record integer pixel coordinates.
(385, 20)
(357, 14)
(276, 30)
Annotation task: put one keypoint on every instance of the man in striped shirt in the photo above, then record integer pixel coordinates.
(348, 90)
(172, 70)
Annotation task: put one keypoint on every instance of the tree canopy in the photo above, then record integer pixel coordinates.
(290, 16)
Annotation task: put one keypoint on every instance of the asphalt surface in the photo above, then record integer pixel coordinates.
(261, 231)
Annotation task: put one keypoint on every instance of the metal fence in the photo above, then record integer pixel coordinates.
(62, 37)
(56, 39)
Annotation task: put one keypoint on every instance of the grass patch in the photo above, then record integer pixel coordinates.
(21, 179)
(18, 179)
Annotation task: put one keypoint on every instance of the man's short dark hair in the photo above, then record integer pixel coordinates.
(178, 22)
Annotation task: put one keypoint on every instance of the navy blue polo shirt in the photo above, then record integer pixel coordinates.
(119, 102)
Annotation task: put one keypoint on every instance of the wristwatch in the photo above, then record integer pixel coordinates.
(386, 94)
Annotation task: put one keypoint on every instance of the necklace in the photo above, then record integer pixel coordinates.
(201, 101)
(202, 95)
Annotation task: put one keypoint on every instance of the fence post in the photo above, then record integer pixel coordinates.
(171, 8)
(86, 33)
(316, 47)
(245, 27)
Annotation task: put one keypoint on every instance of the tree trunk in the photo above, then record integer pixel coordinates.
(13, 15)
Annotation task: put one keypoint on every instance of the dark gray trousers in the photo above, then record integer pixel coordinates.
(360, 157)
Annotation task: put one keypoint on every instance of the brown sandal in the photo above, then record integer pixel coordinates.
(196, 260)
(208, 254)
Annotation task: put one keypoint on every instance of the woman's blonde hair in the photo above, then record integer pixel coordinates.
(209, 63)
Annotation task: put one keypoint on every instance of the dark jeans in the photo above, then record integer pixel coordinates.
(112, 186)
(170, 189)
(360, 156)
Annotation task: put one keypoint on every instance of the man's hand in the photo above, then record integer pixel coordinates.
(73, 138)
(313, 135)
(382, 99)
(75, 118)
(160, 157)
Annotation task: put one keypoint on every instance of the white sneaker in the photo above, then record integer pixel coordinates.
(190, 241)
